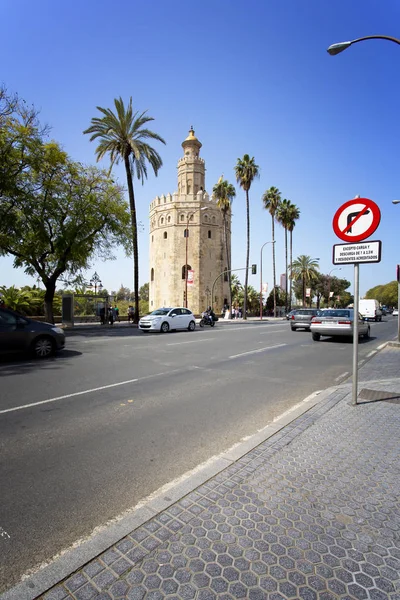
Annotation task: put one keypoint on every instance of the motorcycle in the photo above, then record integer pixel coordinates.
(206, 319)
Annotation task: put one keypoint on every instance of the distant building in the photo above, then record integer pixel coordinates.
(283, 282)
(187, 237)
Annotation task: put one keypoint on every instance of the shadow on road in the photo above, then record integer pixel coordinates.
(22, 364)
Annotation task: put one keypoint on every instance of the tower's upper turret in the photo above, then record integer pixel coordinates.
(191, 145)
(191, 168)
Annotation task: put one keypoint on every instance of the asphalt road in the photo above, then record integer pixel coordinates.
(118, 414)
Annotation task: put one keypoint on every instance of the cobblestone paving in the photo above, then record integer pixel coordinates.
(312, 513)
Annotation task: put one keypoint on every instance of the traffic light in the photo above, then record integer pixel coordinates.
(254, 269)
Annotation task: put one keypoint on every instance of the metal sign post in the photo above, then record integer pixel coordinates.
(355, 333)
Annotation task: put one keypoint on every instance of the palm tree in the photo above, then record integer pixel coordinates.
(294, 215)
(246, 171)
(283, 217)
(305, 269)
(236, 289)
(224, 193)
(123, 137)
(271, 199)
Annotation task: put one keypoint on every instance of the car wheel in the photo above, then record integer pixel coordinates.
(201, 323)
(43, 347)
(192, 326)
(293, 328)
(316, 336)
(164, 327)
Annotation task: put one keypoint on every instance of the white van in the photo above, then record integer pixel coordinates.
(370, 310)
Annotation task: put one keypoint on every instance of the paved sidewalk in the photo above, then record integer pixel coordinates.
(311, 513)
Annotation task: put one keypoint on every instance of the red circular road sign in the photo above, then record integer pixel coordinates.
(356, 220)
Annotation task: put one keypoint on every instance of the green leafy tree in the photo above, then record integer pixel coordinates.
(58, 214)
(386, 294)
(124, 293)
(246, 171)
(123, 136)
(271, 200)
(279, 297)
(144, 292)
(305, 269)
(224, 193)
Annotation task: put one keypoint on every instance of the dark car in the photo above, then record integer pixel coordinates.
(20, 334)
(301, 319)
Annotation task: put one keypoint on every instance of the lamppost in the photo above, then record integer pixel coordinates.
(341, 46)
(191, 214)
(95, 282)
(329, 281)
(398, 289)
(261, 303)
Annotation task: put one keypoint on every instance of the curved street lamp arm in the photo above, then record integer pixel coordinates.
(341, 46)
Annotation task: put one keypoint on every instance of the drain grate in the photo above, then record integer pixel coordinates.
(374, 395)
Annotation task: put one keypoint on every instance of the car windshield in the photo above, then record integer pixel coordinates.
(160, 312)
(336, 313)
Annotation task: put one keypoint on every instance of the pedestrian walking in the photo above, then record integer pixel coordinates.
(116, 314)
(110, 315)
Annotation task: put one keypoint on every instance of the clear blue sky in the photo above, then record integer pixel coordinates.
(250, 77)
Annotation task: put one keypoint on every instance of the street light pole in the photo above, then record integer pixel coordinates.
(261, 275)
(341, 46)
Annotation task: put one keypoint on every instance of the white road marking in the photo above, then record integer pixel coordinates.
(381, 346)
(342, 375)
(267, 332)
(191, 342)
(256, 351)
(4, 534)
(103, 387)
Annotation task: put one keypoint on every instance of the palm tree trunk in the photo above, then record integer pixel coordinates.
(291, 274)
(273, 262)
(228, 264)
(247, 256)
(286, 270)
(134, 237)
(304, 291)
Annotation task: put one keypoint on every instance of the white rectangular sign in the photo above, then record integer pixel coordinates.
(362, 252)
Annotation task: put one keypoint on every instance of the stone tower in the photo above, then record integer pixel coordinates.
(187, 237)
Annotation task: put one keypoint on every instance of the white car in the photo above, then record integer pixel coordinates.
(167, 319)
(395, 312)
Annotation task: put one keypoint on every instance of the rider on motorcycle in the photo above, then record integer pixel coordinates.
(209, 314)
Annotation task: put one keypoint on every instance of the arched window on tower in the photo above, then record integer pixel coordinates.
(169, 218)
(162, 220)
(182, 217)
(209, 234)
(152, 275)
(184, 270)
(213, 220)
(226, 278)
(165, 235)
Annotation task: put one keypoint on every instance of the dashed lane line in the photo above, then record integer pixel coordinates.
(257, 351)
(49, 400)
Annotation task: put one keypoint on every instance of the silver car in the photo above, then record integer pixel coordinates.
(301, 318)
(337, 322)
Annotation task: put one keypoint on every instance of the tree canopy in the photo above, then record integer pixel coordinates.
(55, 214)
